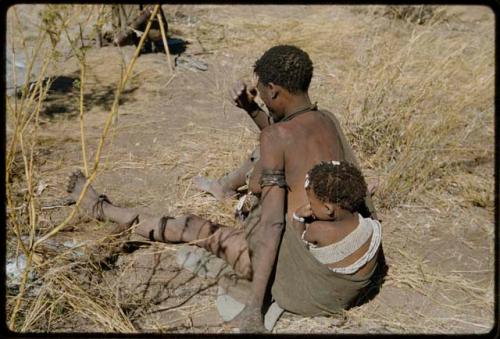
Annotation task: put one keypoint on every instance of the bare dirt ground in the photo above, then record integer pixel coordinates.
(171, 127)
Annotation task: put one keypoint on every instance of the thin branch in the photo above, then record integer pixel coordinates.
(21, 292)
(107, 125)
(165, 42)
(82, 127)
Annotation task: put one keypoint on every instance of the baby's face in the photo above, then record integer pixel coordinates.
(318, 208)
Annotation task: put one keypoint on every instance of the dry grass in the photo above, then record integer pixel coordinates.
(411, 133)
(55, 21)
(410, 113)
(416, 101)
(220, 159)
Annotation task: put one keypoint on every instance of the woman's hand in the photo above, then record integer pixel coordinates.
(243, 96)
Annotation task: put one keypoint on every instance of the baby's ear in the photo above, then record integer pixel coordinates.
(330, 208)
(274, 90)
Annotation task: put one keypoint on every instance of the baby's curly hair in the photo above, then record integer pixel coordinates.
(286, 66)
(338, 182)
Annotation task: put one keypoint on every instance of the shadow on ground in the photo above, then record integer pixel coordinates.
(64, 95)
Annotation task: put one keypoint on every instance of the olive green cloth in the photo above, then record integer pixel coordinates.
(304, 286)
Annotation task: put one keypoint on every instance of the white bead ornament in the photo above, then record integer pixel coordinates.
(296, 217)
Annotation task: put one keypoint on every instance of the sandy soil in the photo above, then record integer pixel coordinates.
(163, 137)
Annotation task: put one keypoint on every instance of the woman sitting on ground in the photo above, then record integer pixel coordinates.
(339, 248)
(329, 226)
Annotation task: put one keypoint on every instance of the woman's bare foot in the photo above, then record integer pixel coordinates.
(248, 321)
(214, 187)
(75, 185)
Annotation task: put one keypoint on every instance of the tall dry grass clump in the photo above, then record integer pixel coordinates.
(417, 117)
(420, 122)
(23, 112)
(57, 285)
(421, 14)
(415, 99)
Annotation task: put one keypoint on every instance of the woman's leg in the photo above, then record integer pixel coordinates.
(225, 242)
(226, 186)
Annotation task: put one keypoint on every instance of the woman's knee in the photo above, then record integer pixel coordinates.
(201, 226)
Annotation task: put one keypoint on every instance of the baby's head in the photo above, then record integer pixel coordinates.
(334, 185)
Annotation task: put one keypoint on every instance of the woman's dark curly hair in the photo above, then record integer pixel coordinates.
(286, 66)
(341, 183)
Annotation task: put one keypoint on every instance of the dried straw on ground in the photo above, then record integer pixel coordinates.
(412, 86)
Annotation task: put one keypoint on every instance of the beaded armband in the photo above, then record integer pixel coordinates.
(273, 178)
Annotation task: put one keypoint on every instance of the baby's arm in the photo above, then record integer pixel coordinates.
(300, 215)
(318, 232)
(322, 233)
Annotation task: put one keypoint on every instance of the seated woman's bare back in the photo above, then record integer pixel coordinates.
(306, 139)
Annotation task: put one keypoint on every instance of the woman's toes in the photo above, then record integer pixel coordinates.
(72, 181)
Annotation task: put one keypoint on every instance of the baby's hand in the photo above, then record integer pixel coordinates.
(304, 211)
